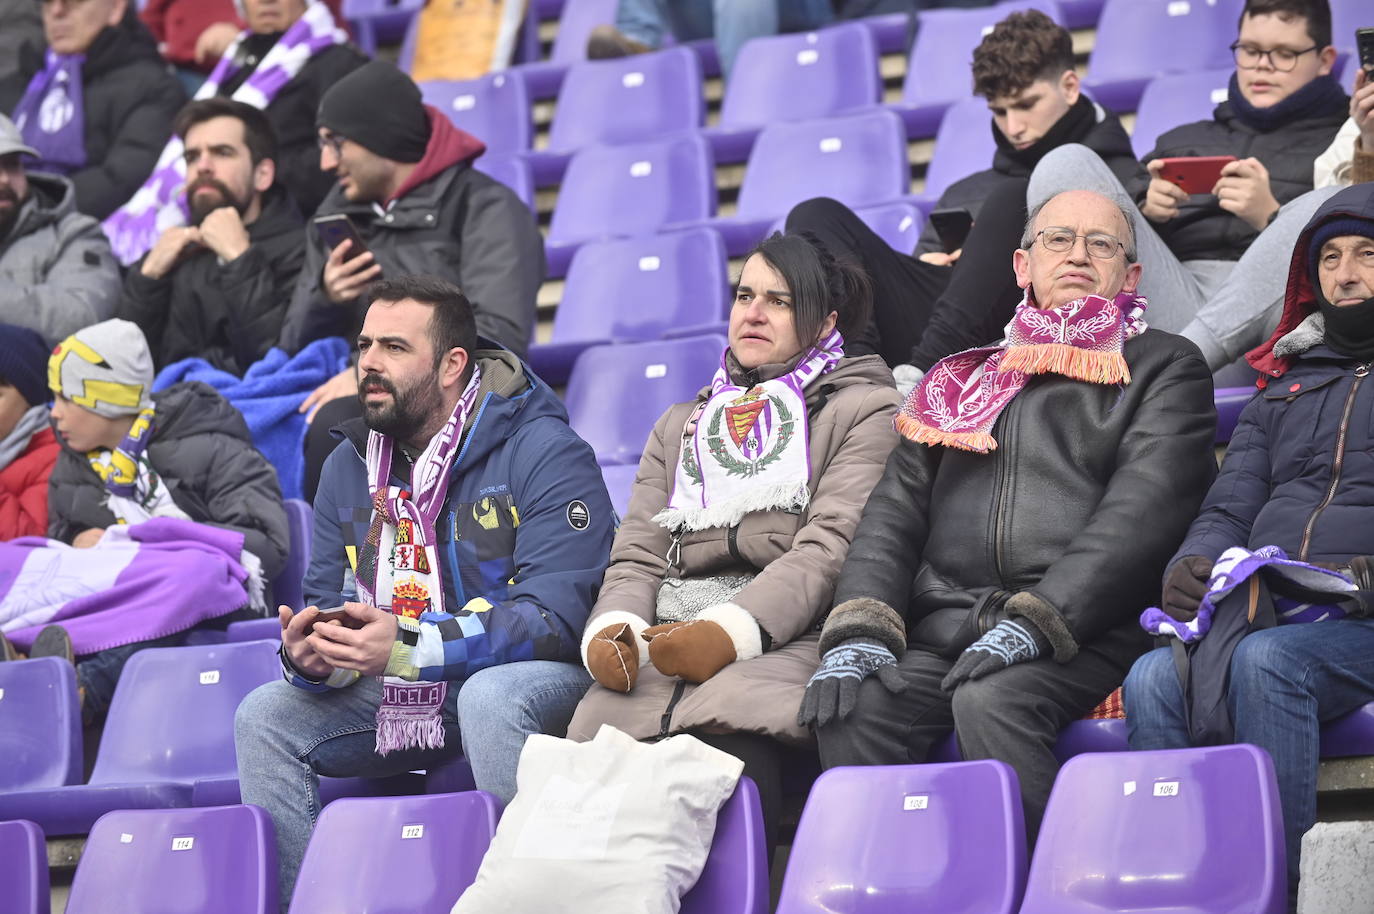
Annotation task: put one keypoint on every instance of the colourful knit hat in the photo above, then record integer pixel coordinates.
(105, 368)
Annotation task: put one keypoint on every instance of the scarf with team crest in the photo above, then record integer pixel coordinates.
(750, 450)
(398, 568)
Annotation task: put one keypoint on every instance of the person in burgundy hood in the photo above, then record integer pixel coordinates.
(406, 183)
(28, 449)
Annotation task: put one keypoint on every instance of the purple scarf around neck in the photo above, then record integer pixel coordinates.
(52, 116)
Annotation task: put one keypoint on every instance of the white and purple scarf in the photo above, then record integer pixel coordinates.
(52, 116)
(750, 450)
(1236, 566)
(160, 203)
(398, 567)
(959, 399)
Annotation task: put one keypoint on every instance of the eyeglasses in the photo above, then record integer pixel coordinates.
(1282, 59)
(1099, 244)
(333, 141)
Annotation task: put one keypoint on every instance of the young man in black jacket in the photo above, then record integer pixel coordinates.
(218, 288)
(931, 303)
(1216, 259)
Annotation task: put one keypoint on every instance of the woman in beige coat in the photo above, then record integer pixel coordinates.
(740, 518)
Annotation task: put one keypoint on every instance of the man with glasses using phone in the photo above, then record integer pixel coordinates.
(1022, 523)
(1215, 259)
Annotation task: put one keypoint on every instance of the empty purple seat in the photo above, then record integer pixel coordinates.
(1350, 734)
(889, 31)
(1130, 34)
(1080, 14)
(795, 77)
(1184, 831)
(494, 108)
(634, 189)
(452, 776)
(963, 146)
(287, 587)
(937, 70)
(543, 78)
(1230, 401)
(620, 480)
(254, 630)
(945, 838)
(899, 223)
(859, 159)
(512, 171)
(419, 854)
(659, 373)
(1346, 17)
(40, 725)
(633, 289)
(376, 21)
(217, 860)
(1170, 101)
(630, 100)
(24, 885)
(735, 877)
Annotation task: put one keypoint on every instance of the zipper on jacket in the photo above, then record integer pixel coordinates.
(1004, 474)
(666, 720)
(1336, 463)
(732, 541)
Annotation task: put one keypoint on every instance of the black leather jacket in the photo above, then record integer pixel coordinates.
(1090, 490)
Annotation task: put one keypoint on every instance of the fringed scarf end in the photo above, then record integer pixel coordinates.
(1093, 366)
(913, 429)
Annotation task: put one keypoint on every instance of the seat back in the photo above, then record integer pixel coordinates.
(658, 373)
(735, 877)
(211, 860)
(963, 145)
(858, 159)
(40, 724)
(629, 100)
(634, 189)
(495, 108)
(287, 586)
(1130, 34)
(1172, 830)
(1346, 17)
(421, 853)
(899, 224)
(512, 171)
(802, 75)
(172, 716)
(575, 24)
(945, 838)
(631, 289)
(24, 885)
(1169, 101)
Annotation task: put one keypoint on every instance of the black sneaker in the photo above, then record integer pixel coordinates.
(53, 641)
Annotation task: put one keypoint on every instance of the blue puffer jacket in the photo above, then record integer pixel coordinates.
(523, 540)
(1299, 472)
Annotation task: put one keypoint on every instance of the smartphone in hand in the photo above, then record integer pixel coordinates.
(952, 224)
(335, 229)
(1194, 174)
(1364, 41)
(338, 615)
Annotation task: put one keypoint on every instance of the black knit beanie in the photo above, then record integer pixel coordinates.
(379, 108)
(24, 363)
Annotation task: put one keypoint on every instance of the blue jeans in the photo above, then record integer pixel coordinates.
(1285, 682)
(732, 22)
(287, 737)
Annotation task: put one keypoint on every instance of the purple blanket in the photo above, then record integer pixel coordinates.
(140, 582)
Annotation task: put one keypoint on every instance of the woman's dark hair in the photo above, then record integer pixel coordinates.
(819, 282)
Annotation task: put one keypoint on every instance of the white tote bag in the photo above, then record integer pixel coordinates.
(608, 825)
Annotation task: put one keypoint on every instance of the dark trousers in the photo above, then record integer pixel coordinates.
(319, 444)
(1013, 715)
(762, 757)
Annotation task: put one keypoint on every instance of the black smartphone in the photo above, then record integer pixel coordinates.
(337, 228)
(1364, 40)
(952, 224)
(339, 615)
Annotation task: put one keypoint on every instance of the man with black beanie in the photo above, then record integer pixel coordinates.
(28, 448)
(405, 182)
(1298, 475)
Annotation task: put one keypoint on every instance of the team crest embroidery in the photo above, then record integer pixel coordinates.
(754, 421)
(406, 554)
(410, 599)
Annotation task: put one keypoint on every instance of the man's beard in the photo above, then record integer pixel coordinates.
(203, 205)
(9, 215)
(407, 412)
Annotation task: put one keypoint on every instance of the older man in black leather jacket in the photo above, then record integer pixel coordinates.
(1023, 522)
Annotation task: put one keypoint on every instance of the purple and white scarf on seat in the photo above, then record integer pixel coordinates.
(750, 450)
(160, 204)
(52, 114)
(399, 548)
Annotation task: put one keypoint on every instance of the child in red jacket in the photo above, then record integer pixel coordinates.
(28, 449)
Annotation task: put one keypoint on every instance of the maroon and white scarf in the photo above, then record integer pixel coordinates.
(960, 398)
(407, 578)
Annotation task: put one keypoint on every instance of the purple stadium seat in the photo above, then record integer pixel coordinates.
(376, 21)
(1106, 735)
(1229, 402)
(1169, 101)
(620, 480)
(254, 630)
(1183, 831)
(937, 70)
(616, 393)
(24, 885)
(494, 108)
(859, 159)
(735, 877)
(899, 223)
(889, 31)
(1125, 55)
(575, 23)
(1080, 14)
(963, 146)
(634, 189)
(420, 853)
(217, 860)
(945, 838)
(453, 776)
(795, 77)
(40, 724)
(1350, 734)
(634, 289)
(287, 587)
(630, 100)
(1346, 17)
(512, 171)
